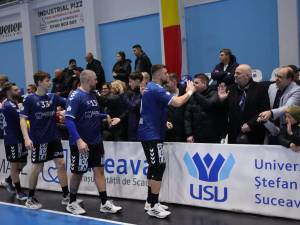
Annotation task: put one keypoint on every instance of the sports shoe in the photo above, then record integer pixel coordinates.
(33, 203)
(75, 208)
(148, 206)
(9, 187)
(66, 200)
(158, 212)
(109, 207)
(21, 196)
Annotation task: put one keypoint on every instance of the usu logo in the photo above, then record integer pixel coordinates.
(209, 170)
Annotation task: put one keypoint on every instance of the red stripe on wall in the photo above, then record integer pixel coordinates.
(173, 49)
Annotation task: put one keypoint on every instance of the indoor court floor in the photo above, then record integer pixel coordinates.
(13, 212)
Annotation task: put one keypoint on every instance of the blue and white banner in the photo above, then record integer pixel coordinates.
(244, 178)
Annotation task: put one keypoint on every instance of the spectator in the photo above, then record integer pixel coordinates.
(204, 119)
(289, 135)
(113, 106)
(132, 99)
(175, 121)
(285, 92)
(59, 86)
(224, 71)
(3, 80)
(122, 68)
(245, 100)
(31, 88)
(105, 89)
(142, 61)
(96, 66)
(74, 83)
(68, 71)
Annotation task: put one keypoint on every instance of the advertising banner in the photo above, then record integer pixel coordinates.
(59, 17)
(10, 30)
(244, 178)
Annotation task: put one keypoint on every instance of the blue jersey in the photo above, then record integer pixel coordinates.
(11, 123)
(41, 112)
(83, 107)
(154, 109)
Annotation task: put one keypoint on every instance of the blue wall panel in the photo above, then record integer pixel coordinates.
(122, 35)
(55, 49)
(12, 61)
(248, 28)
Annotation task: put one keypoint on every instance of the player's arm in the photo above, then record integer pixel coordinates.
(23, 124)
(181, 100)
(71, 126)
(70, 116)
(24, 129)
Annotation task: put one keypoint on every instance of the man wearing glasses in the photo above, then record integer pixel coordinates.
(284, 92)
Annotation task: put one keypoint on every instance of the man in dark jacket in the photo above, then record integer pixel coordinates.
(96, 66)
(122, 68)
(59, 86)
(175, 122)
(224, 71)
(142, 61)
(245, 100)
(205, 115)
(132, 100)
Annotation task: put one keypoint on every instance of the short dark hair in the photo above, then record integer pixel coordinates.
(293, 67)
(40, 76)
(137, 46)
(72, 61)
(202, 77)
(227, 51)
(156, 68)
(122, 54)
(136, 76)
(290, 74)
(173, 76)
(7, 86)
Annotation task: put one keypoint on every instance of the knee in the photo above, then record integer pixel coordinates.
(60, 164)
(98, 171)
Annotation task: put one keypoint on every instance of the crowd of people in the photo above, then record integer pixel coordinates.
(228, 105)
(147, 104)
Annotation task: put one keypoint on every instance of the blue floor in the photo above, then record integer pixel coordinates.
(15, 215)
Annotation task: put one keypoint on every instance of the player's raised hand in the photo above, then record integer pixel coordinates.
(222, 92)
(190, 88)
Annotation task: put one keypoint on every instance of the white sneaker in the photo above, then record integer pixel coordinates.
(158, 212)
(33, 203)
(66, 200)
(109, 207)
(148, 206)
(75, 208)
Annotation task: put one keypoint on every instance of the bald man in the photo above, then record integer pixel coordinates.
(96, 66)
(283, 93)
(83, 120)
(245, 100)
